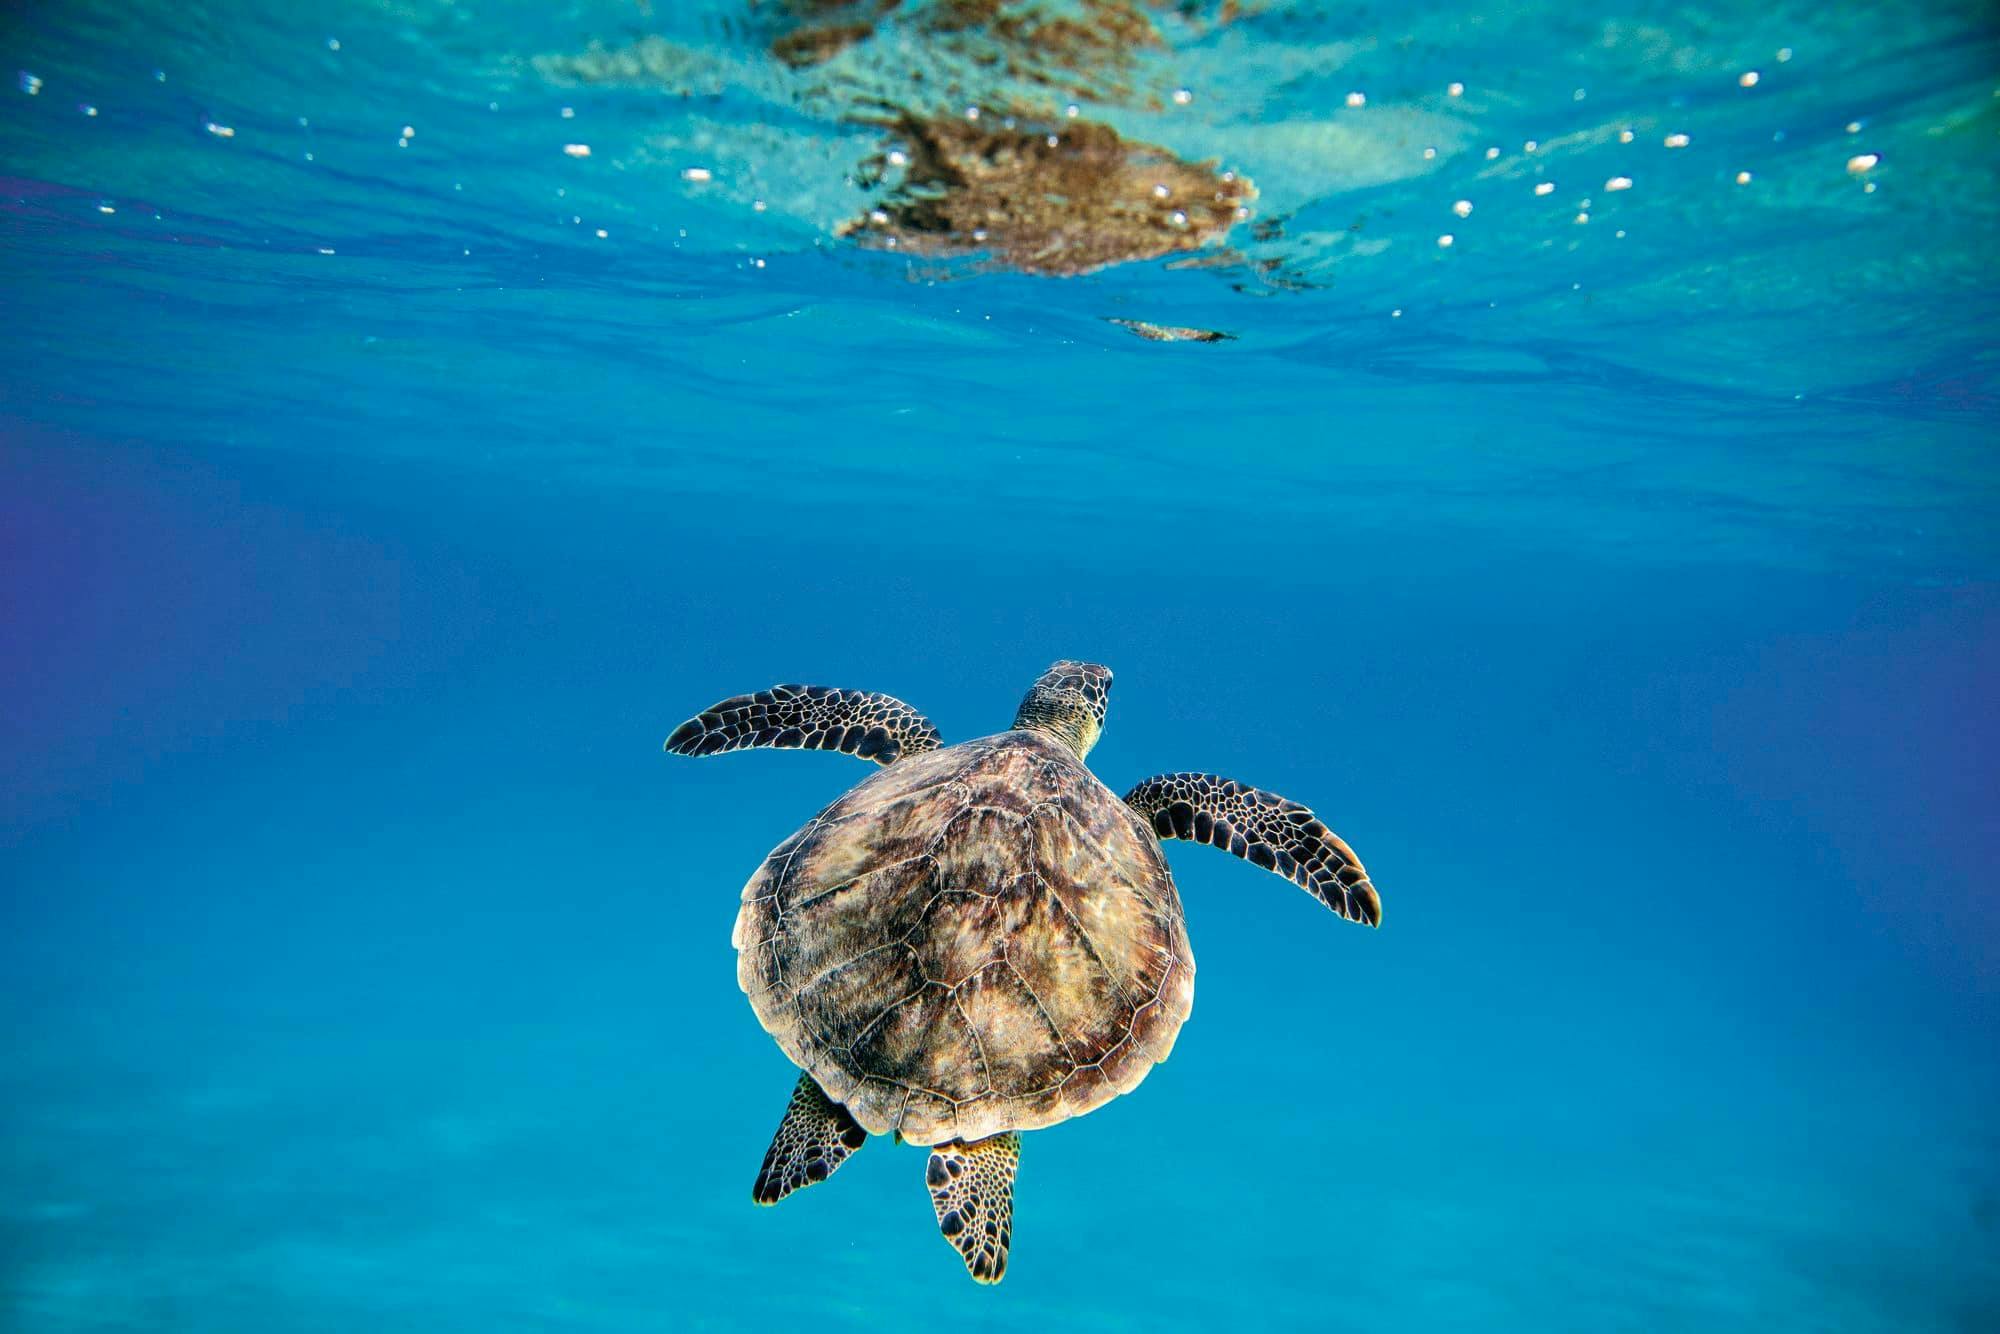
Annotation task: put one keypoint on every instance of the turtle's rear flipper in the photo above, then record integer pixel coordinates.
(972, 1189)
(815, 1137)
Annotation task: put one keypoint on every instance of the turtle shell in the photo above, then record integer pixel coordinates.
(976, 939)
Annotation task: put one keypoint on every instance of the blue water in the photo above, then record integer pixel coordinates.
(1627, 592)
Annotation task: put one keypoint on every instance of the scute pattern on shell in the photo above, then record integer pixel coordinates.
(974, 940)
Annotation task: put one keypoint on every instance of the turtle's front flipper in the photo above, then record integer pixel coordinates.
(875, 727)
(972, 1190)
(813, 1140)
(1263, 828)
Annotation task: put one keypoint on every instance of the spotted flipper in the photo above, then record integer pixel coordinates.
(1263, 828)
(972, 1190)
(813, 1140)
(855, 722)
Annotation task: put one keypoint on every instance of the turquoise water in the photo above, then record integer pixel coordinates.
(1623, 590)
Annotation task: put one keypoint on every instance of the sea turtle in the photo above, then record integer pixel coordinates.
(979, 939)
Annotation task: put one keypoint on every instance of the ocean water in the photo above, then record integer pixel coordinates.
(380, 482)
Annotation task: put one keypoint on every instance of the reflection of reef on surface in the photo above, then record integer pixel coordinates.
(1057, 201)
(1085, 49)
(987, 152)
(650, 61)
(1171, 333)
(813, 32)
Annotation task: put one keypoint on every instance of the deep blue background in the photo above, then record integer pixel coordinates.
(369, 964)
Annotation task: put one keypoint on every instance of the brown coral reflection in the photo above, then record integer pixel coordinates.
(980, 103)
(1056, 200)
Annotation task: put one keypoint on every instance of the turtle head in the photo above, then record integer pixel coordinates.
(1068, 704)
